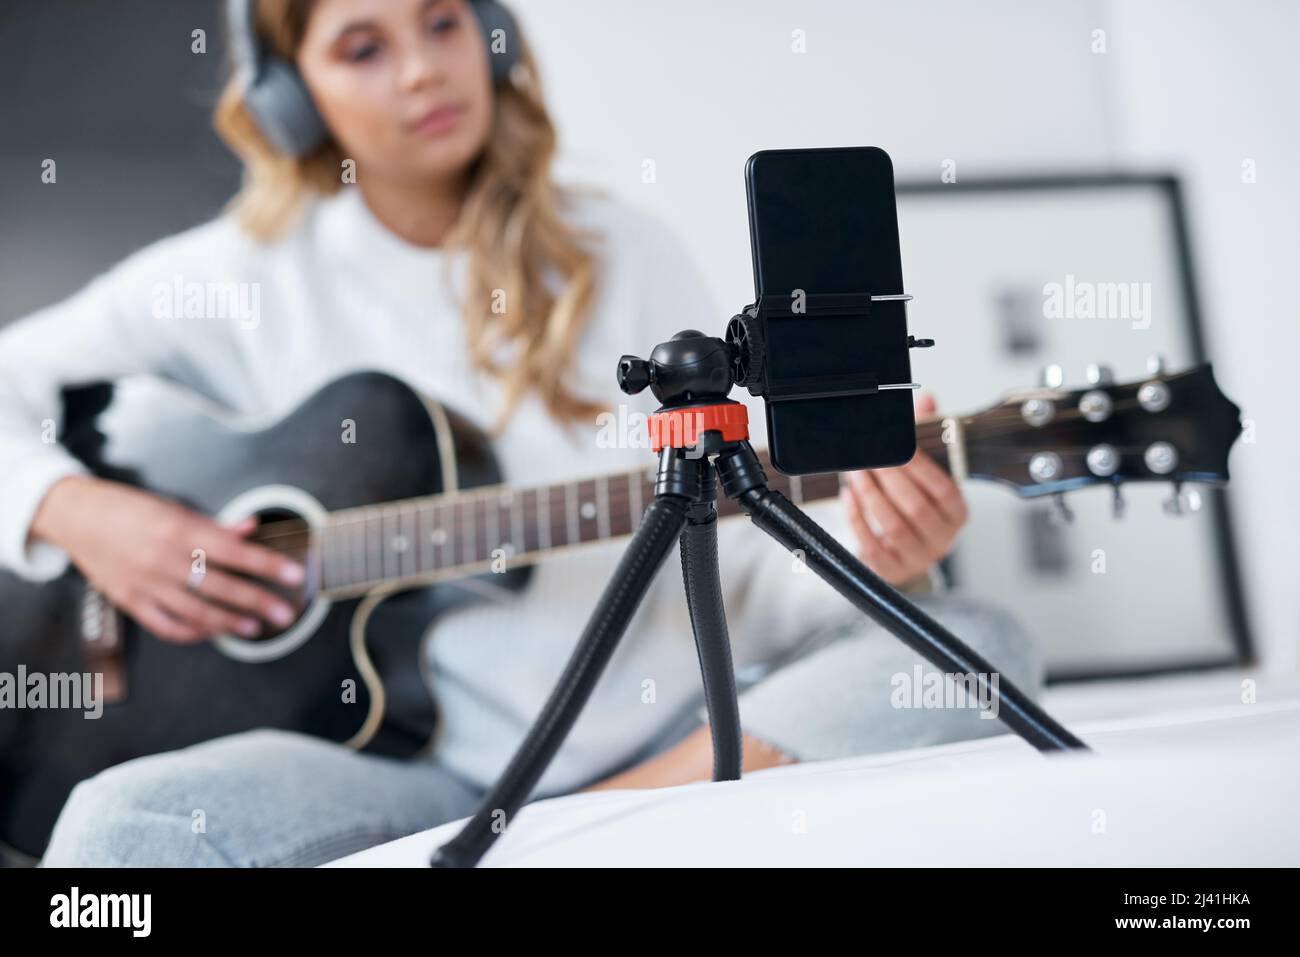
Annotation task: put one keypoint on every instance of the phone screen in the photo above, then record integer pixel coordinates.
(824, 221)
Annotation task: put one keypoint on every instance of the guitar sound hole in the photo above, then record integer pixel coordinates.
(289, 534)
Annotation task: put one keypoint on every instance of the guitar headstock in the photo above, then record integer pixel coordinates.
(1161, 428)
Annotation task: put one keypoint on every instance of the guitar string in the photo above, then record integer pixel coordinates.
(358, 514)
(983, 426)
(976, 427)
(327, 580)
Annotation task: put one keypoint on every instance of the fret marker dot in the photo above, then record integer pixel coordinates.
(399, 543)
(588, 510)
(438, 536)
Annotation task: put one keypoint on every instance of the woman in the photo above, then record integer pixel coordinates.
(424, 237)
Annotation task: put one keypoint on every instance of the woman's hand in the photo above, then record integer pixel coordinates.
(907, 518)
(138, 549)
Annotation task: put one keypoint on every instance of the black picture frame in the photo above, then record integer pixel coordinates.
(1218, 500)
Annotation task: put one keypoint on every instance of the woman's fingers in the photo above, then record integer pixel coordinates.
(939, 486)
(244, 527)
(227, 548)
(894, 527)
(916, 507)
(209, 618)
(244, 596)
(215, 601)
(874, 553)
(905, 518)
(158, 622)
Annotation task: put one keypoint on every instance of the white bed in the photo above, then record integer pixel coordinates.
(1185, 773)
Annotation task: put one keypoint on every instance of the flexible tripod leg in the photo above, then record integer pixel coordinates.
(776, 515)
(699, 547)
(645, 554)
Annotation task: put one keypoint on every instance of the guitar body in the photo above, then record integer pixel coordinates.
(349, 670)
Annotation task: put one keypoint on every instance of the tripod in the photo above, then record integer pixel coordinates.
(698, 431)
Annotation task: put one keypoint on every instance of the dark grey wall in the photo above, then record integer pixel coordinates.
(111, 91)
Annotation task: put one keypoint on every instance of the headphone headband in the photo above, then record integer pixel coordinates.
(245, 42)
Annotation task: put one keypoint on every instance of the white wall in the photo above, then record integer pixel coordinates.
(1206, 86)
(999, 88)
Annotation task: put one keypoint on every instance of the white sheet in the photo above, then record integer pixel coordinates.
(1185, 774)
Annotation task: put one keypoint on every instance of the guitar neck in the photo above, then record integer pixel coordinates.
(1045, 441)
(456, 534)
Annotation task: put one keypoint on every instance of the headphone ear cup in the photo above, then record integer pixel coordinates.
(493, 16)
(284, 110)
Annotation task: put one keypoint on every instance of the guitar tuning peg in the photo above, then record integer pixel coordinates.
(1051, 376)
(1155, 364)
(1098, 374)
(1117, 504)
(1181, 502)
(1061, 512)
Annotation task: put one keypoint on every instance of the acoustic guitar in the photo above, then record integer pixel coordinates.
(401, 528)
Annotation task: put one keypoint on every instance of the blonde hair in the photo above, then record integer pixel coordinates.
(509, 224)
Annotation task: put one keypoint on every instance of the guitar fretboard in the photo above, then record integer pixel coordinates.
(420, 538)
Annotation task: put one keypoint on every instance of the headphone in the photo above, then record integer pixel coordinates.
(278, 100)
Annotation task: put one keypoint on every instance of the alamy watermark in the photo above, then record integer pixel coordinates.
(37, 690)
(628, 429)
(1075, 299)
(179, 299)
(939, 691)
(133, 912)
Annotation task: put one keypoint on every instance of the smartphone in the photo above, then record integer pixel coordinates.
(823, 226)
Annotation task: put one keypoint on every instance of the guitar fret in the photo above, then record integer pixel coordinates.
(544, 518)
(374, 545)
(349, 563)
(571, 512)
(391, 525)
(397, 542)
(360, 546)
(635, 493)
(342, 552)
(483, 543)
(424, 536)
(602, 507)
(406, 524)
(356, 549)
(387, 552)
(442, 537)
(469, 552)
(588, 511)
(517, 523)
(492, 527)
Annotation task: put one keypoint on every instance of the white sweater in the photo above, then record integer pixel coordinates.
(341, 293)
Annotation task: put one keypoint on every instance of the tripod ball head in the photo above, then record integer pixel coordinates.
(688, 368)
